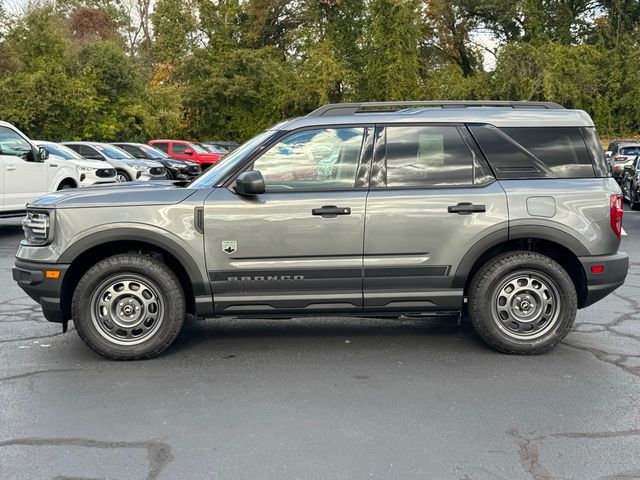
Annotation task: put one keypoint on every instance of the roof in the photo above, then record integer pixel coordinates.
(497, 113)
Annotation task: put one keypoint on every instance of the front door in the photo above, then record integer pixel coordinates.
(432, 199)
(24, 180)
(298, 247)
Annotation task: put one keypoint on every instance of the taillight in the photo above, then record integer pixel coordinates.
(615, 213)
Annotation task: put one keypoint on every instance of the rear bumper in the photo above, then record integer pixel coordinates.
(31, 277)
(599, 285)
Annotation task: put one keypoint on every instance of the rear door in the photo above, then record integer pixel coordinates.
(297, 247)
(432, 199)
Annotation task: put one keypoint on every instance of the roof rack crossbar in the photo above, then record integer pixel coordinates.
(364, 107)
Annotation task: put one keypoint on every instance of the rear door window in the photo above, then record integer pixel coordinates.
(427, 156)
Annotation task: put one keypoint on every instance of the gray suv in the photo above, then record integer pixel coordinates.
(504, 210)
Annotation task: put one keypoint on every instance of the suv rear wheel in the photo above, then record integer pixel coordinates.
(522, 303)
(128, 307)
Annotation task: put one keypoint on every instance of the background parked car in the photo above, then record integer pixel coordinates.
(26, 172)
(176, 169)
(623, 154)
(226, 145)
(183, 150)
(90, 172)
(214, 148)
(127, 167)
(631, 183)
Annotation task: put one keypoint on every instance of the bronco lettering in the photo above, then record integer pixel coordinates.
(266, 278)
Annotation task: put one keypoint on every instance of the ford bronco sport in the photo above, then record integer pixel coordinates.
(504, 210)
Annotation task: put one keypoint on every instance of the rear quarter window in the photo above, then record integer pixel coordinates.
(537, 152)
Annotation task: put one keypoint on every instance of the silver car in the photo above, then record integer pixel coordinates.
(502, 210)
(127, 167)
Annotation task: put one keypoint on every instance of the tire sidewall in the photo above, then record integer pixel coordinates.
(490, 278)
(166, 285)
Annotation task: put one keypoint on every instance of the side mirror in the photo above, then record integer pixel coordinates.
(188, 151)
(250, 183)
(43, 153)
(608, 153)
(37, 154)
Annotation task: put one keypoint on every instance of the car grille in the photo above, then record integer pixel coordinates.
(157, 170)
(105, 172)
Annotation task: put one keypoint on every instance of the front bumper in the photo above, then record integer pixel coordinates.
(599, 285)
(31, 277)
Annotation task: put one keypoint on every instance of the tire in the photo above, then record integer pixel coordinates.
(109, 295)
(65, 186)
(522, 302)
(122, 176)
(634, 201)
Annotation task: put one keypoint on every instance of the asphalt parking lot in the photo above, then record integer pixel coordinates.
(322, 399)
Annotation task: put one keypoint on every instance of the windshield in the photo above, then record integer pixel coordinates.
(211, 177)
(630, 150)
(113, 152)
(153, 152)
(216, 148)
(198, 148)
(62, 151)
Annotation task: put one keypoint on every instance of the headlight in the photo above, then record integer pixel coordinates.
(86, 169)
(138, 167)
(37, 227)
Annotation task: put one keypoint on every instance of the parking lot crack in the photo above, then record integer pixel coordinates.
(530, 456)
(37, 372)
(158, 453)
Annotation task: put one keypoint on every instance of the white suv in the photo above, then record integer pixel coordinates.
(26, 172)
(92, 172)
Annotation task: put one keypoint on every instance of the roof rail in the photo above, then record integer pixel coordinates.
(364, 107)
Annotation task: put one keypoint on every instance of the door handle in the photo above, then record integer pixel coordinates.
(11, 168)
(466, 208)
(331, 211)
(53, 164)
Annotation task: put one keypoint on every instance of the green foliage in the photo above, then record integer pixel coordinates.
(110, 70)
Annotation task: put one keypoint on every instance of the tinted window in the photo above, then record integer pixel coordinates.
(600, 164)
(178, 148)
(629, 151)
(162, 146)
(13, 144)
(130, 149)
(426, 157)
(319, 159)
(88, 152)
(535, 152)
(561, 149)
(113, 152)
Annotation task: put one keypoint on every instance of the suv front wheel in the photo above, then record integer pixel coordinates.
(128, 307)
(522, 302)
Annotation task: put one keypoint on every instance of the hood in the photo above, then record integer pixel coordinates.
(150, 163)
(115, 195)
(89, 163)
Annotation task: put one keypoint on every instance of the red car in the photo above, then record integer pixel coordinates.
(183, 150)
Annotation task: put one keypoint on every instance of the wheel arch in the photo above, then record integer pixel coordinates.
(84, 253)
(556, 244)
(67, 181)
